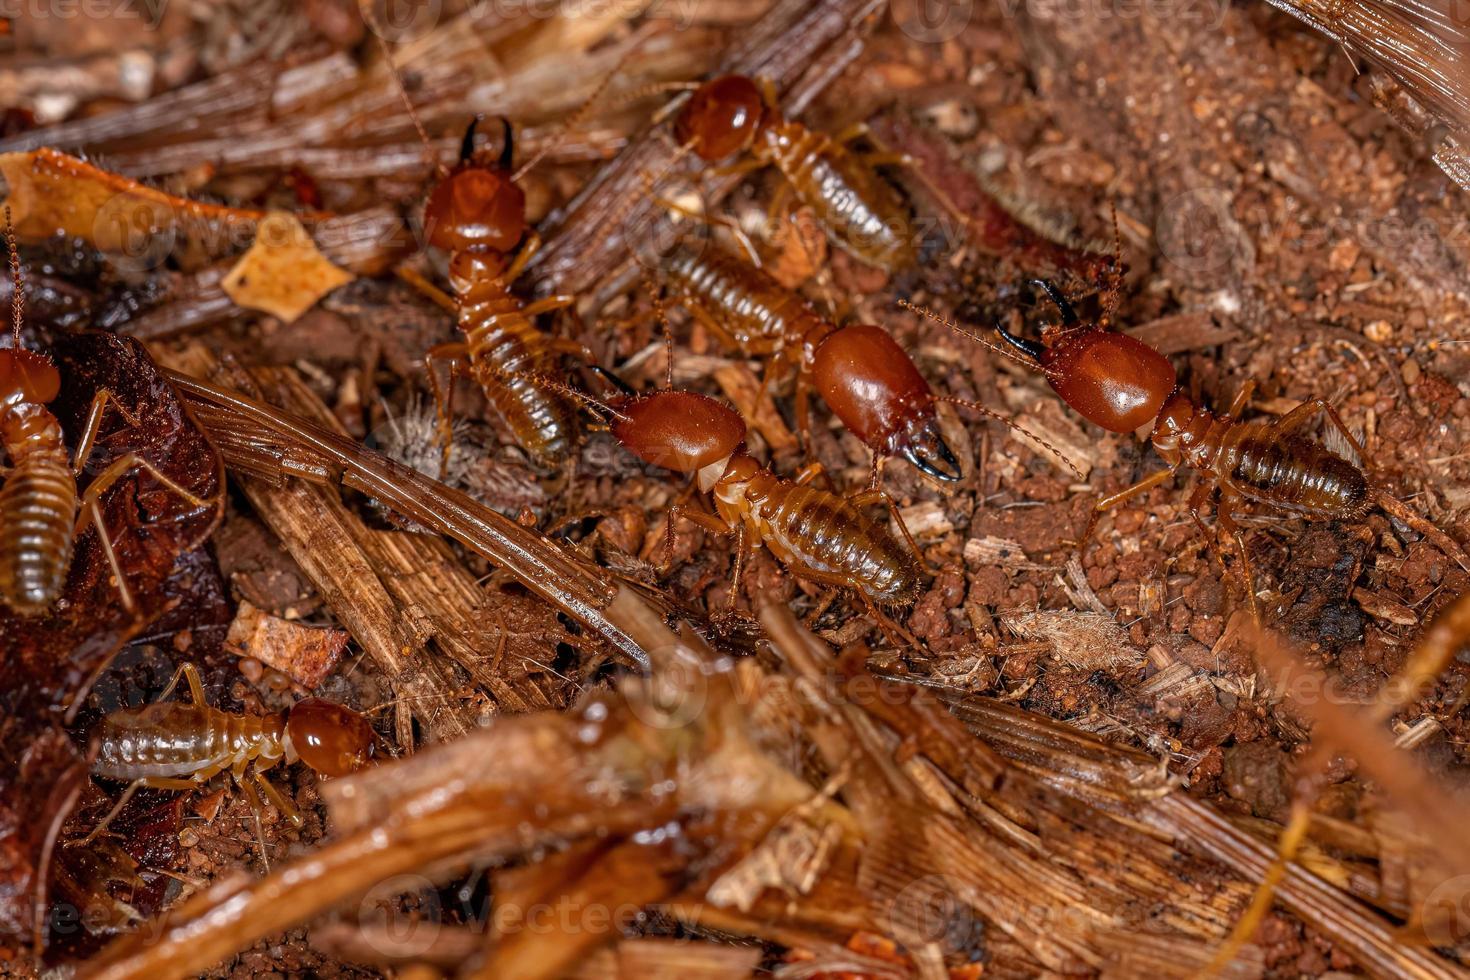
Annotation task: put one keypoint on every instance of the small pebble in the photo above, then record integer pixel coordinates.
(1379, 331)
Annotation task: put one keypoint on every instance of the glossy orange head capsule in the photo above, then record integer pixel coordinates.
(872, 385)
(678, 430)
(478, 207)
(721, 118)
(1110, 379)
(26, 376)
(330, 738)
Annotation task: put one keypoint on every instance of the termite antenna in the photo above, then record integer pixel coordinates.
(1013, 424)
(663, 319)
(1031, 364)
(562, 388)
(18, 284)
(577, 118)
(365, 7)
(1114, 293)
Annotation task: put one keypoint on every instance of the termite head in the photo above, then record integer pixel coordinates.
(26, 376)
(471, 267)
(1110, 379)
(680, 431)
(1174, 430)
(478, 207)
(872, 385)
(330, 738)
(721, 118)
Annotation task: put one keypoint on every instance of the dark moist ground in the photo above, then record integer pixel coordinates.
(1276, 227)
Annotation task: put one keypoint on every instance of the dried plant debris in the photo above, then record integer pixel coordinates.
(283, 273)
(610, 750)
(304, 654)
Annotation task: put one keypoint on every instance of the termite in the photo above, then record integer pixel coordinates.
(477, 213)
(41, 511)
(868, 380)
(174, 745)
(860, 211)
(819, 535)
(1122, 384)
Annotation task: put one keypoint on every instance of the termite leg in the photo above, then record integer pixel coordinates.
(810, 472)
(547, 305)
(278, 799)
(892, 631)
(1197, 501)
(190, 673)
(775, 367)
(1228, 526)
(457, 356)
(879, 496)
(1242, 399)
(88, 441)
(737, 169)
(728, 223)
(252, 798)
(803, 412)
(416, 279)
(1303, 413)
(742, 554)
(1122, 496)
(527, 251)
(90, 511)
(777, 207)
(695, 516)
(147, 782)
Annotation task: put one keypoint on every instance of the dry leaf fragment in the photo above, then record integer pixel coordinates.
(284, 273)
(304, 654)
(51, 193)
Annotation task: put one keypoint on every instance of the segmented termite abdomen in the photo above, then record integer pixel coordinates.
(828, 539)
(858, 209)
(508, 354)
(38, 506)
(753, 309)
(178, 740)
(1295, 474)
